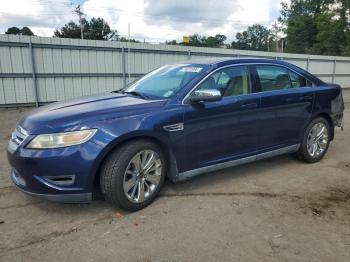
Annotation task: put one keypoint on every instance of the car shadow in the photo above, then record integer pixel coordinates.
(228, 174)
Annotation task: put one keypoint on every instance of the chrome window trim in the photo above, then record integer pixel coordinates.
(242, 64)
(290, 69)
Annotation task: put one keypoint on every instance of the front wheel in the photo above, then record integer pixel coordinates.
(315, 142)
(133, 175)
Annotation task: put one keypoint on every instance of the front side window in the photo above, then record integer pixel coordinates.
(273, 77)
(229, 81)
(165, 81)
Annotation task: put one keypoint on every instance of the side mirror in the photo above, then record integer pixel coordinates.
(206, 95)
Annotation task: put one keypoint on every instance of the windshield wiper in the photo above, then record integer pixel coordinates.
(117, 91)
(135, 93)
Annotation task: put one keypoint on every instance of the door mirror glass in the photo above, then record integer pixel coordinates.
(206, 95)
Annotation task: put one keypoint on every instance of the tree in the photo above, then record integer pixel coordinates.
(26, 31)
(197, 40)
(316, 26)
(215, 41)
(70, 30)
(98, 29)
(202, 41)
(256, 37)
(13, 31)
(16, 31)
(330, 38)
(171, 42)
(95, 29)
(301, 27)
(345, 19)
(131, 40)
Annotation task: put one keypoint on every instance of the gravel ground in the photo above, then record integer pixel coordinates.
(278, 209)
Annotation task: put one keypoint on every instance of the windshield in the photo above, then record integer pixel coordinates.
(165, 81)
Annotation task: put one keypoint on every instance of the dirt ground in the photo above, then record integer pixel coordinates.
(278, 209)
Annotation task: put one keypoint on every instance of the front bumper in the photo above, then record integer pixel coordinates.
(61, 198)
(59, 175)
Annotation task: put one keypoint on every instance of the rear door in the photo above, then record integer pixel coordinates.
(286, 106)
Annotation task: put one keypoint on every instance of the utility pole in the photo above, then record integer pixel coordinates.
(80, 14)
(276, 29)
(282, 45)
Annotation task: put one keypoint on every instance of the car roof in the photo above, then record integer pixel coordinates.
(217, 62)
(232, 60)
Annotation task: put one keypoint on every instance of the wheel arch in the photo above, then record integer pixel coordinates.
(169, 155)
(326, 116)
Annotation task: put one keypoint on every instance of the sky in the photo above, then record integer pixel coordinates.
(152, 20)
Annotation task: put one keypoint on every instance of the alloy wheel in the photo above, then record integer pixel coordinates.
(142, 176)
(317, 140)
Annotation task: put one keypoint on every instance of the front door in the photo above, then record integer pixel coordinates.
(221, 131)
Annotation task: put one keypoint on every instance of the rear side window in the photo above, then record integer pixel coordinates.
(297, 80)
(273, 77)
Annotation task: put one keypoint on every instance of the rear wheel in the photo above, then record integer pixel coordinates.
(133, 175)
(315, 141)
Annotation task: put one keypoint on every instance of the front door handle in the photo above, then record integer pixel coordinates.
(303, 98)
(249, 106)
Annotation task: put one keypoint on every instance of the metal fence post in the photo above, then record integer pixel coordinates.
(334, 68)
(123, 67)
(307, 63)
(36, 96)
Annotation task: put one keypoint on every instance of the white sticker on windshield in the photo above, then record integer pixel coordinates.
(168, 93)
(191, 69)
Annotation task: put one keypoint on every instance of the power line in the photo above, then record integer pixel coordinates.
(179, 18)
(184, 19)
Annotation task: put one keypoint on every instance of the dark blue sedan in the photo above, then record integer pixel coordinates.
(178, 121)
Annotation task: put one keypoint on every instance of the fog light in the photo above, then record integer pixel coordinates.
(61, 180)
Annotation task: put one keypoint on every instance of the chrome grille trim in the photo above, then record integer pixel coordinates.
(17, 138)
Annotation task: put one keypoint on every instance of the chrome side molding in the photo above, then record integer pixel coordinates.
(174, 127)
(194, 172)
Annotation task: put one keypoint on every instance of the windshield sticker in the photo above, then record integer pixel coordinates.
(168, 93)
(191, 69)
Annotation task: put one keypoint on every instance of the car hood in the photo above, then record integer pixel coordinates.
(83, 112)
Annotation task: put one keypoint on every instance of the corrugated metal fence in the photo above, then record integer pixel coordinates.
(37, 70)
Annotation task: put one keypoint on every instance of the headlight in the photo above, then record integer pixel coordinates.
(61, 139)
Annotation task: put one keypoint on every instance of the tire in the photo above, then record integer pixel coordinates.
(124, 168)
(305, 152)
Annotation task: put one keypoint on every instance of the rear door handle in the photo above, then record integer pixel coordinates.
(296, 99)
(249, 106)
(291, 99)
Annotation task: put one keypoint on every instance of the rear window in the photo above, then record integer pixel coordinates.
(273, 77)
